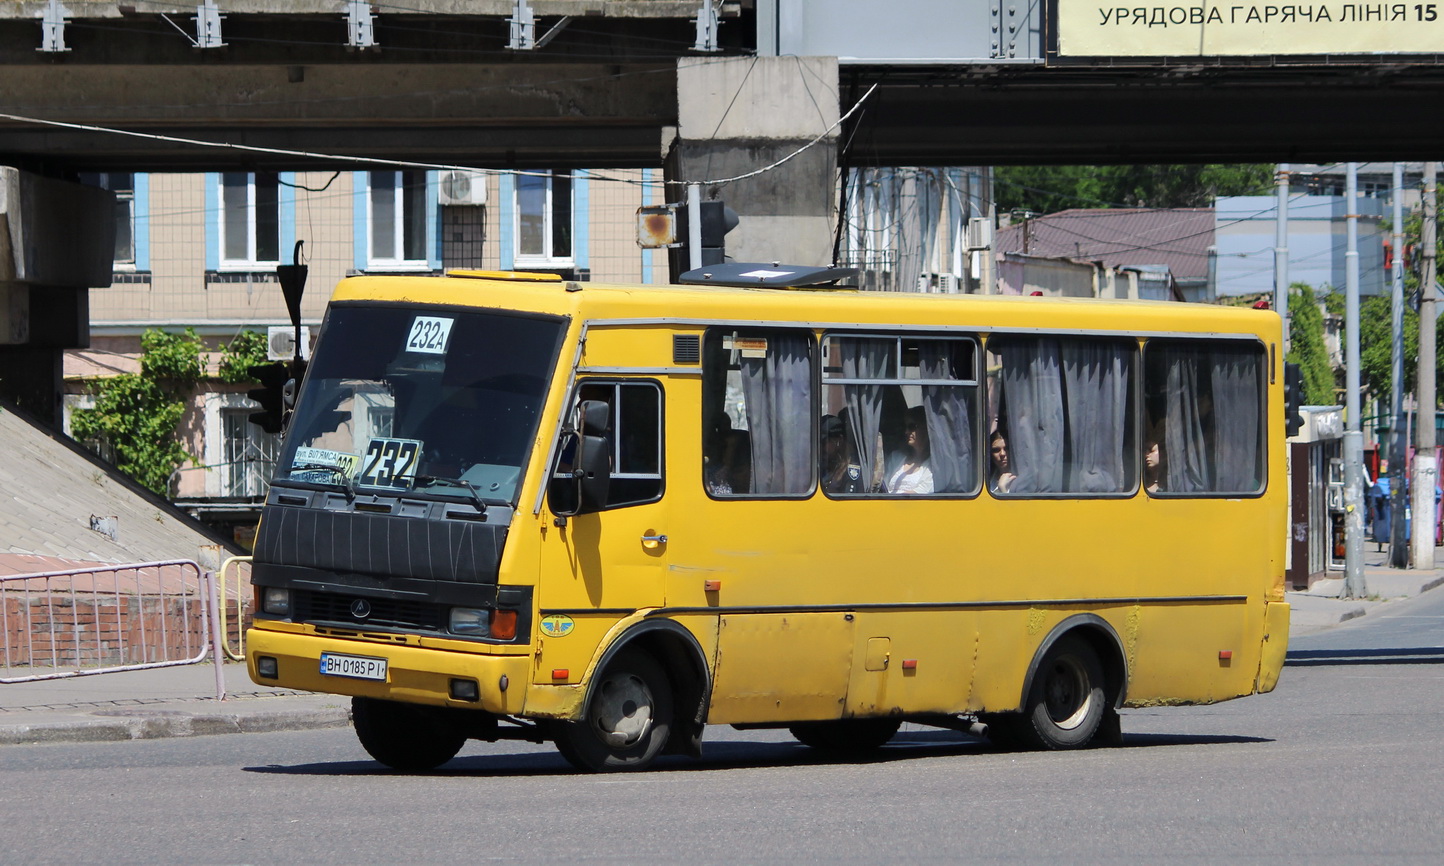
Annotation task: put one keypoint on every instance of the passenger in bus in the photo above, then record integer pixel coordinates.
(840, 474)
(731, 473)
(1002, 477)
(914, 475)
(1152, 464)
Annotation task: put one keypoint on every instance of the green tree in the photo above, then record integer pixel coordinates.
(241, 354)
(136, 416)
(1306, 346)
(1048, 189)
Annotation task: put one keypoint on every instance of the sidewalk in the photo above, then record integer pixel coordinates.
(179, 701)
(1321, 607)
(165, 702)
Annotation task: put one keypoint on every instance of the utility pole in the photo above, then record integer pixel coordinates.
(1398, 543)
(1426, 468)
(1281, 251)
(1353, 433)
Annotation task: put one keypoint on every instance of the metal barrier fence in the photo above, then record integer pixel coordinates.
(239, 653)
(107, 619)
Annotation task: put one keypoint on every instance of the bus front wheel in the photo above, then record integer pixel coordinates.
(405, 737)
(628, 718)
(1066, 702)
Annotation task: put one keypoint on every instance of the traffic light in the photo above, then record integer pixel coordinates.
(1293, 399)
(717, 220)
(270, 396)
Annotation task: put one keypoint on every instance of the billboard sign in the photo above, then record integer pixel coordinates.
(1203, 28)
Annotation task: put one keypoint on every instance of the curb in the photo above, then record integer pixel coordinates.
(157, 724)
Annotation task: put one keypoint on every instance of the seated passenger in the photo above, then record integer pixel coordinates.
(1153, 459)
(731, 473)
(1001, 479)
(839, 473)
(914, 475)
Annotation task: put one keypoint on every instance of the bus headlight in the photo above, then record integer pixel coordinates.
(276, 601)
(470, 621)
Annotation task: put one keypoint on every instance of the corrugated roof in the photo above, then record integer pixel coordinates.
(1176, 237)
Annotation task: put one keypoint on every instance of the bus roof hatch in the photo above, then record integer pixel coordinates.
(752, 274)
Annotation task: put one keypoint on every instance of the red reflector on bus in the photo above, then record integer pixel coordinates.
(560, 673)
(711, 585)
(910, 664)
(1225, 655)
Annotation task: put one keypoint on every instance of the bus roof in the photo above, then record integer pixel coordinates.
(601, 302)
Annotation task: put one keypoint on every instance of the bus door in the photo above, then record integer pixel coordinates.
(741, 519)
(601, 566)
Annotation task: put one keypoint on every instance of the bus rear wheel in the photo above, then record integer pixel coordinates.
(1066, 702)
(405, 737)
(628, 718)
(846, 736)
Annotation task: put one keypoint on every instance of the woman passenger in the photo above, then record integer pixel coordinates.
(914, 476)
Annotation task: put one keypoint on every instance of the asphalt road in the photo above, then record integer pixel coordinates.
(1342, 764)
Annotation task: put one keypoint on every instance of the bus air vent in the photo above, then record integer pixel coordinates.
(686, 349)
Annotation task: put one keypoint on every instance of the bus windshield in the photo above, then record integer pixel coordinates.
(425, 400)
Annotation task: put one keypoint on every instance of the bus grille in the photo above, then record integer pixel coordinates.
(384, 613)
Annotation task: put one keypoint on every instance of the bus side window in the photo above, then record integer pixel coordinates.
(635, 438)
(1063, 411)
(1204, 407)
(900, 415)
(757, 437)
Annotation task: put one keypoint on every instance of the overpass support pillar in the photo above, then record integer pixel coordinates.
(738, 115)
(57, 240)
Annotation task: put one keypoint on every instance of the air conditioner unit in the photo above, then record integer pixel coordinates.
(980, 233)
(465, 188)
(281, 343)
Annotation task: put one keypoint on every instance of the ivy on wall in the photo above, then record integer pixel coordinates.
(136, 417)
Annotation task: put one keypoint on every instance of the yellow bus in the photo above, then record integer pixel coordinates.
(513, 506)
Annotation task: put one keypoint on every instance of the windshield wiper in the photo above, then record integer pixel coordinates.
(344, 484)
(430, 480)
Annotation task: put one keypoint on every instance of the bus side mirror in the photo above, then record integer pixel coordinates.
(583, 473)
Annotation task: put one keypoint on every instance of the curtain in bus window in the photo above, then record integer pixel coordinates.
(777, 385)
(864, 358)
(1033, 392)
(1236, 418)
(1185, 451)
(949, 413)
(1096, 376)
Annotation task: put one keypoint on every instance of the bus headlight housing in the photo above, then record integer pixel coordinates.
(276, 601)
(470, 621)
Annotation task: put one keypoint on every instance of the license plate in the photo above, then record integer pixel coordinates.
(357, 667)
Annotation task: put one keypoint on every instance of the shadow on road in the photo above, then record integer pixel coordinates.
(730, 755)
(1387, 656)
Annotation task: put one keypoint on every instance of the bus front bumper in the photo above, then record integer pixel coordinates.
(412, 674)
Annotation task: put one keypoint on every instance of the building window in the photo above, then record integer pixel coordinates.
(250, 220)
(122, 183)
(397, 219)
(250, 455)
(544, 220)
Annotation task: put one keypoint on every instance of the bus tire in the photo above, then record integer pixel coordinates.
(628, 718)
(1066, 702)
(847, 736)
(405, 737)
